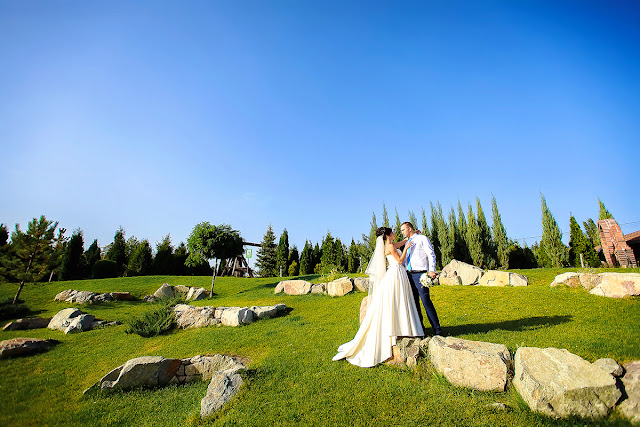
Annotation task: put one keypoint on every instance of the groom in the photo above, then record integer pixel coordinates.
(421, 259)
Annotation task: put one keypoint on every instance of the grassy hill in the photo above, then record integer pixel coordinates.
(292, 379)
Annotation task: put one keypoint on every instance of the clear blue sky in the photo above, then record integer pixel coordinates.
(157, 115)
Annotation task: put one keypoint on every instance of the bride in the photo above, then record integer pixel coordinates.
(391, 310)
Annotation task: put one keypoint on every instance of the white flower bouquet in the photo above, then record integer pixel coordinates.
(427, 281)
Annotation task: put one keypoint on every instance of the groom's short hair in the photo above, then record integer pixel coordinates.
(408, 224)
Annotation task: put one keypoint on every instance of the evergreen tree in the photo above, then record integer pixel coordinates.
(580, 244)
(447, 242)
(74, 263)
(28, 260)
(521, 257)
(294, 269)
(163, 261)
(591, 229)
(180, 256)
(604, 213)
(294, 257)
(473, 239)
(92, 255)
(140, 260)
(459, 246)
(435, 238)
(4, 235)
(306, 259)
(542, 259)
(551, 242)
(266, 255)
(282, 253)
(425, 225)
(397, 229)
(317, 256)
(354, 259)
(385, 217)
(118, 251)
(488, 245)
(500, 235)
(55, 258)
(465, 256)
(369, 239)
(329, 255)
(413, 220)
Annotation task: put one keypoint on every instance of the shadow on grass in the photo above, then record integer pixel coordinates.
(526, 323)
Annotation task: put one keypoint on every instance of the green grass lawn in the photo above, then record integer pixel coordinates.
(292, 380)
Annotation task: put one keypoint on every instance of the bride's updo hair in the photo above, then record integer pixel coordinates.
(384, 232)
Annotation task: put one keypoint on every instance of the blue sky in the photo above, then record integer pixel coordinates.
(309, 115)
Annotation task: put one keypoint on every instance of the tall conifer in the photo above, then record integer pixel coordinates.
(425, 225)
(488, 245)
(446, 238)
(397, 229)
(551, 242)
(473, 239)
(435, 238)
(266, 254)
(604, 213)
(500, 235)
(306, 259)
(591, 229)
(282, 254)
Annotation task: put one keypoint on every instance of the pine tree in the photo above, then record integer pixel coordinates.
(425, 225)
(341, 255)
(74, 263)
(328, 257)
(92, 255)
(163, 261)
(397, 230)
(591, 229)
(354, 259)
(580, 244)
(4, 235)
(282, 253)
(266, 255)
(118, 251)
(435, 238)
(55, 258)
(488, 245)
(551, 242)
(447, 242)
(385, 216)
(604, 213)
(465, 256)
(500, 235)
(473, 239)
(306, 259)
(141, 259)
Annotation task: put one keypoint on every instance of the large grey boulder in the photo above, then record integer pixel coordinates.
(84, 322)
(189, 316)
(222, 388)
(295, 287)
(266, 312)
(207, 366)
(339, 287)
(236, 316)
(145, 372)
(468, 274)
(630, 407)
(62, 296)
(569, 279)
(196, 294)
(319, 288)
(82, 297)
(27, 323)
(617, 285)
(63, 318)
(165, 291)
(361, 284)
(472, 364)
(18, 347)
(610, 366)
(589, 280)
(558, 383)
(502, 278)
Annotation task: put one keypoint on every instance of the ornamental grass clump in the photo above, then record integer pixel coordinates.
(155, 322)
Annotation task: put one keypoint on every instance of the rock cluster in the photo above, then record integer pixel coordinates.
(88, 297)
(461, 273)
(71, 320)
(189, 316)
(221, 371)
(166, 291)
(612, 285)
(336, 288)
(17, 347)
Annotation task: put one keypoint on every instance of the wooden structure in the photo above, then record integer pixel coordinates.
(614, 245)
(238, 266)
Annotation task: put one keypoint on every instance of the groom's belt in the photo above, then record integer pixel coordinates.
(418, 271)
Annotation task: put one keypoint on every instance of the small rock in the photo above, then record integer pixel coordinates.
(165, 291)
(222, 388)
(80, 323)
(237, 316)
(18, 347)
(181, 289)
(361, 284)
(27, 323)
(610, 366)
(339, 287)
(318, 288)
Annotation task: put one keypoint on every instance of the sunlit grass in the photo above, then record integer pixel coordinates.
(292, 379)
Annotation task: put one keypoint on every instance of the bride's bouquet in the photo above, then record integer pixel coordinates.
(427, 281)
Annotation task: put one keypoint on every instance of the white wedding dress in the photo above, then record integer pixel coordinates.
(391, 313)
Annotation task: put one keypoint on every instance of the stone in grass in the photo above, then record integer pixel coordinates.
(560, 384)
(84, 322)
(27, 323)
(610, 366)
(63, 318)
(18, 347)
(630, 407)
(361, 284)
(222, 388)
(165, 291)
(339, 287)
(237, 316)
(319, 288)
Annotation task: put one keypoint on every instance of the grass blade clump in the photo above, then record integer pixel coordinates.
(152, 323)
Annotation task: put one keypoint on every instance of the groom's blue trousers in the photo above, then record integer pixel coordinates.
(422, 293)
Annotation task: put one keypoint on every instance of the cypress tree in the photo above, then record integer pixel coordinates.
(604, 213)
(354, 259)
(92, 255)
(397, 229)
(551, 242)
(282, 253)
(446, 238)
(370, 239)
(306, 259)
(329, 255)
(456, 237)
(74, 263)
(473, 239)
(341, 255)
(294, 255)
(385, 216)
(118, 251)
(413, 220)
(580, 244)
(591, 229)
(317, 256)
(465, 256)
(266, 255)
(425, 225)
(435, 238)
(488, 245)
(500, 235)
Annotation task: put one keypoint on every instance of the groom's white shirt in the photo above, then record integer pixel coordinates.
(423, 258)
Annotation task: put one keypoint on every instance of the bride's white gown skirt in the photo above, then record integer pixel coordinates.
(391, 313)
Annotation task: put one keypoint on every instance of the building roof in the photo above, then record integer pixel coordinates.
(633, 237)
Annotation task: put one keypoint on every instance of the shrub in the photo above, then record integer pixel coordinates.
(154, 322)
(104, 269)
